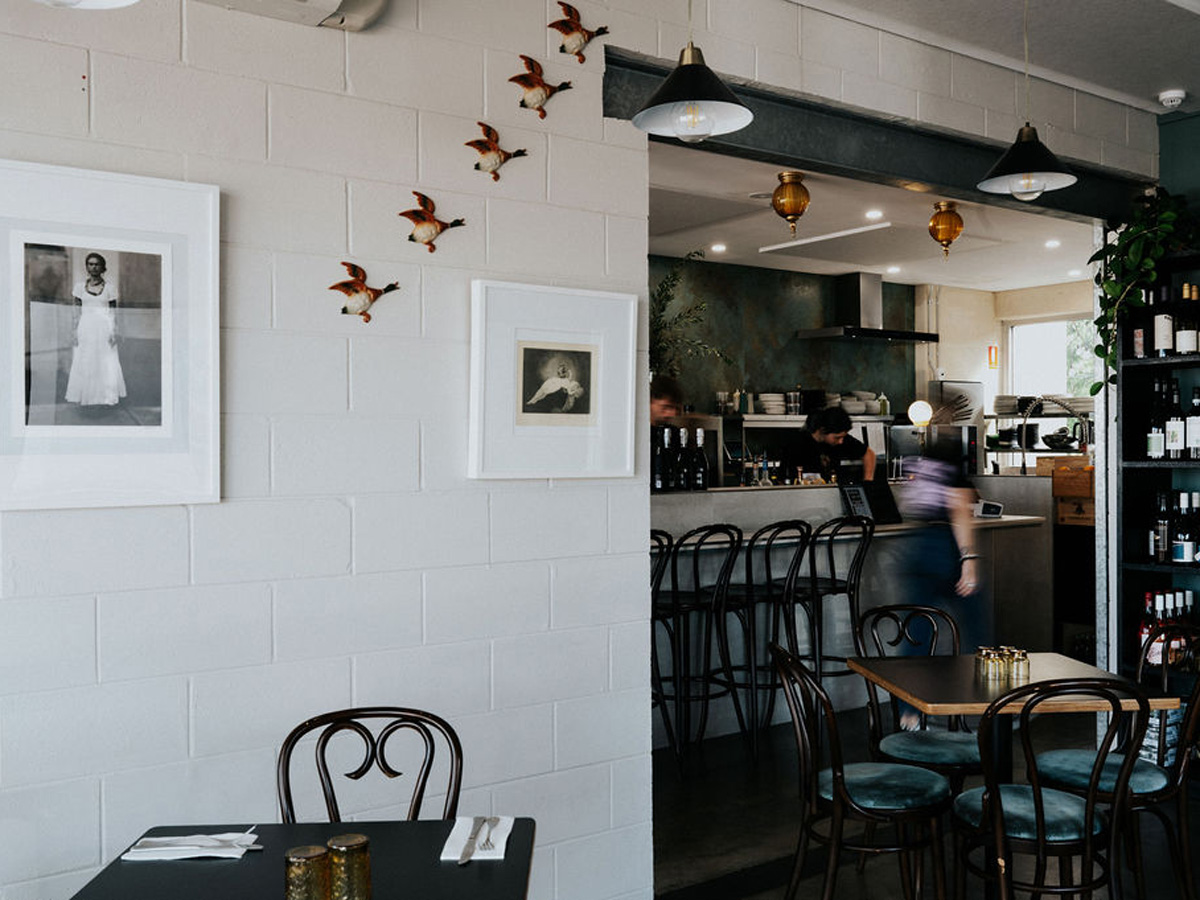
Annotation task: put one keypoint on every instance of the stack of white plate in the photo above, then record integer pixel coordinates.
(1083, 404)
(832, 400)
(772, 404)
(1006, 404)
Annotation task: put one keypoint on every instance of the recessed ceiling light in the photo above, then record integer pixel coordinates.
(892, 270)
(874, 214)
(1075, 273)
(717, 248)
(1052, 244)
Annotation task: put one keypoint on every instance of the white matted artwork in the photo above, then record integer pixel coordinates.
(552, 382)
(108, 285)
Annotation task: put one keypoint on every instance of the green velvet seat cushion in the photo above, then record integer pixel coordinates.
(941, 748)
(888, 785)
(1073, 769)
(1064, 812)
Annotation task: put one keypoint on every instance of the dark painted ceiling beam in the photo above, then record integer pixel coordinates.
(797, 133)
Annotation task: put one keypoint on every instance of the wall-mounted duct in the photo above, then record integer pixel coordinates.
(858, 313)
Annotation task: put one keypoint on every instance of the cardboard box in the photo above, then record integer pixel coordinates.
(1075, 511)
(1047, 464)
(1074, 483)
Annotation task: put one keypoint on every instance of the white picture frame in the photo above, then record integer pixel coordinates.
(553, 374)
(110, 398)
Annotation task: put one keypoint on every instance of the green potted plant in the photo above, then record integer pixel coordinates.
(671, 337)
(1129, 264)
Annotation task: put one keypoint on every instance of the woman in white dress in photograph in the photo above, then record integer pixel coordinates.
(96, 378)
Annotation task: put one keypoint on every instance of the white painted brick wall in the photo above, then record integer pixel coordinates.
(352, 562)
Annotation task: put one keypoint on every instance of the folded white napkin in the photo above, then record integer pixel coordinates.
(230, 845)
(462, 830)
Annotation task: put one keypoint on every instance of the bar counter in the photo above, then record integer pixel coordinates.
(1013, 605)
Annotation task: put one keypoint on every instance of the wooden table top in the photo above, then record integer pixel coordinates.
(404, 863)
(947, 686)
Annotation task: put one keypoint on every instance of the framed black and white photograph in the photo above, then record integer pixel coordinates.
(552, 382)
(110, 302)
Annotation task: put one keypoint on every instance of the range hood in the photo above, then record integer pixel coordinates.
(858, 313)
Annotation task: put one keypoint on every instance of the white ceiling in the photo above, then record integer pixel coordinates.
(1126, 50)
(698, 199)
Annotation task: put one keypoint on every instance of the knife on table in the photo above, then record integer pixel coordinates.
(469, 847)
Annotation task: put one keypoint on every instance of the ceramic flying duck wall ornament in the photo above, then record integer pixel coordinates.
(491, 157)
(359, 297)
(535, 90)
(575, 36)
(426, 227)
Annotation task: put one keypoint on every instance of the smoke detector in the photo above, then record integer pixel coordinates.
(1172, 98)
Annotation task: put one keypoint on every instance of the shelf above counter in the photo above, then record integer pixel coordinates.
(763, 420)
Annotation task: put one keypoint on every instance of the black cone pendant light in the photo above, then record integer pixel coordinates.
(1028, 168)
(693, 103)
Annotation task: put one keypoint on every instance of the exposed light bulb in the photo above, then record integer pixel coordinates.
(1026, 186)
(1053, 244)
(893, 270)
(919, 413)
(874, 214)
(717, 248)
(692, 123)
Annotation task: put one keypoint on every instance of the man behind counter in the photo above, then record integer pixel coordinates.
(824, 444)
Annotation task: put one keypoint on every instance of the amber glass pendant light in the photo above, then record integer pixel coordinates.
(945, 225)
(790, 198)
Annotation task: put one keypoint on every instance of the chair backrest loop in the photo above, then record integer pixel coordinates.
(433, 734)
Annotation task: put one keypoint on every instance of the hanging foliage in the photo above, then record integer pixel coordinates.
(671, 340)
(1129, 262)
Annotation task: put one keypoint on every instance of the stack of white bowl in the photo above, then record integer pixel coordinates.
(832, 400)
(772, 404)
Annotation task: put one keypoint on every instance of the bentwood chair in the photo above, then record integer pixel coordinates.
(702, 561)
(836, 556)
(908, 798)
(1167, 665)
(996, 821)
(910, 630)
(405, 742)
(773, 558)
(661, 543)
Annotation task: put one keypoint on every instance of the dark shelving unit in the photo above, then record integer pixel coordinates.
(1139, 479)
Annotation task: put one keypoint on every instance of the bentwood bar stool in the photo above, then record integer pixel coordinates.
(690, 597)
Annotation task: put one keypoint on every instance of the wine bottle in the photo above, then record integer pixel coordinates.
(1183, 543)
(699, 468)
(1147, 623)
(1164, 330)
(661, 478)
(1156, 439)
(1154, 653)
(1174, 426)
(683, 460)
(1191, 426)
(1162, 529)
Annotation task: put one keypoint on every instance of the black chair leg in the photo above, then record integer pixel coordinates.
(936, 858)
(906, 869)
(798, 862)
(656, 686)
(836, 821)
(1185, 843)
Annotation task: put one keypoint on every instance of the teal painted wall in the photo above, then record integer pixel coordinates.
(1179, 156)
(753, 315)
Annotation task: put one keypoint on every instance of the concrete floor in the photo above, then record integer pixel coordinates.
(725, 828)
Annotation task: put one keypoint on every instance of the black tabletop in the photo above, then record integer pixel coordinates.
(405, 865)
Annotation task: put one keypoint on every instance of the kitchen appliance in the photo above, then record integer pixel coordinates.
(858, 312)
(961, 403)
(905, 442)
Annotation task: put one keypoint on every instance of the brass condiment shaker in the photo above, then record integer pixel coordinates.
(349, 867)
(306, 873)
